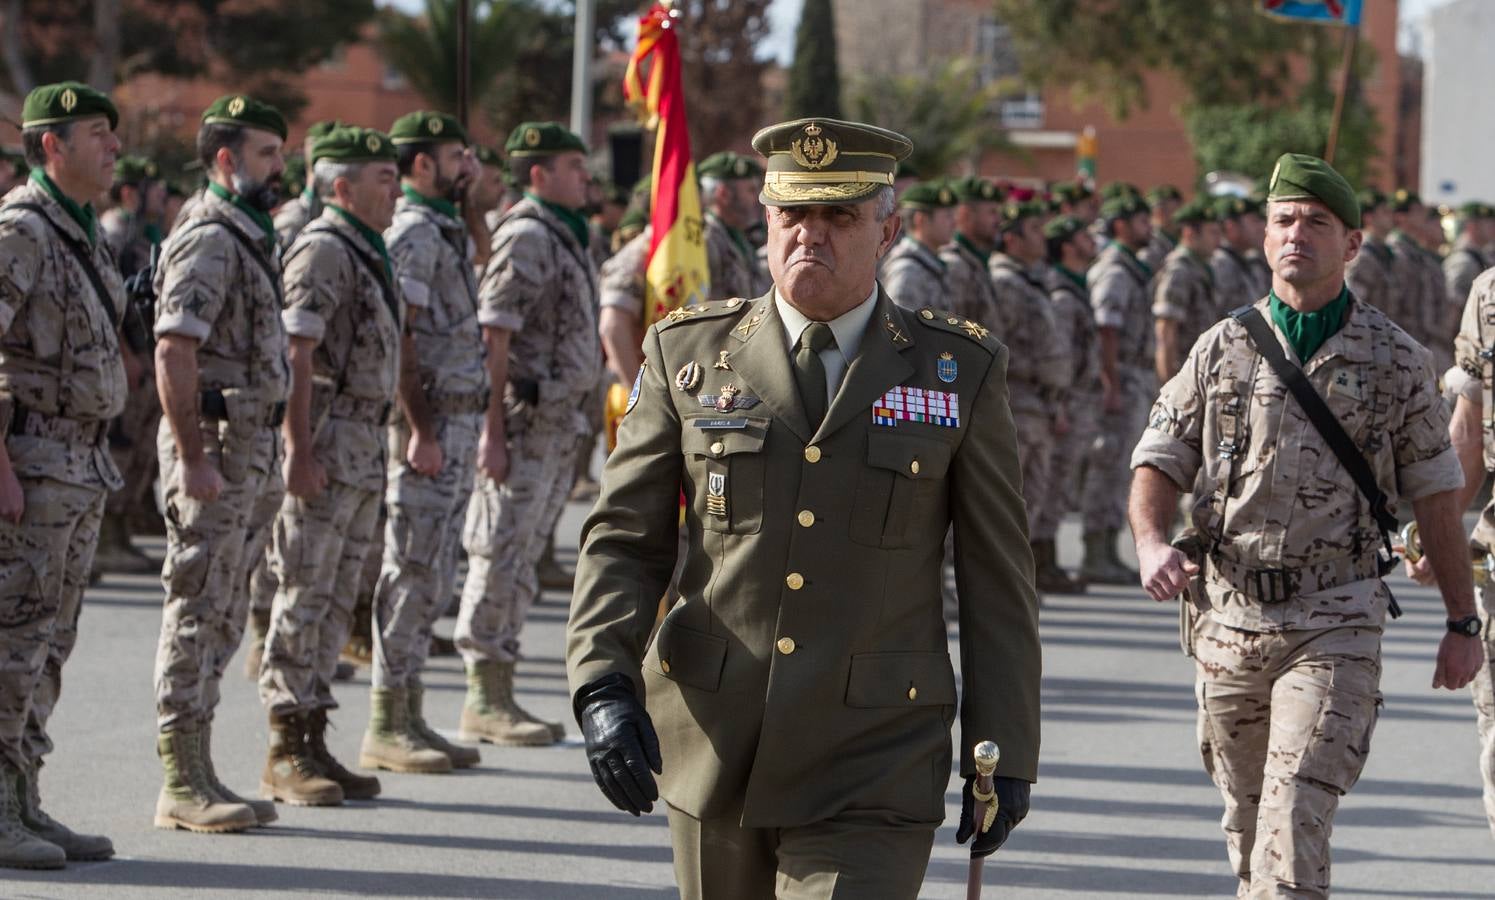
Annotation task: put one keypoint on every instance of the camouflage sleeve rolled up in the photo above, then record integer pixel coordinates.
(317, 278)
(1477, 327)
(191, 282)
(517, 275)
(621, 281)
(20, 258)
(1425, 460)
(1109, 297)
(1174, 439)
(414, 252)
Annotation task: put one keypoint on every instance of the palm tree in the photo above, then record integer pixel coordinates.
(424, 49)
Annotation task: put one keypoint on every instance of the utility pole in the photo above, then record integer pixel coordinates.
(464, 48)
(581, 68)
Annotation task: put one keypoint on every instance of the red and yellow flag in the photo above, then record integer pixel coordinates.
(676, 275)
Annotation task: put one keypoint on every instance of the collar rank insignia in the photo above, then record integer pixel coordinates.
(946, 368)
(898, 336)
(911, 404)
(689, 377)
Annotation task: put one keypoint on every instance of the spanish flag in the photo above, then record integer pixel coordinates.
(676, 275)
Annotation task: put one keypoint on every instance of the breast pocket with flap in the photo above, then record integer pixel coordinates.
(897, 488)
(725, 456)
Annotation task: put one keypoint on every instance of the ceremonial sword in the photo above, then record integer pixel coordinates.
(985, 795)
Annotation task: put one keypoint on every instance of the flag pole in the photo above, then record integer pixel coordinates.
(581, 69)
(1351, 38)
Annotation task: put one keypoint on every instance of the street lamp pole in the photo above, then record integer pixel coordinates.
(581, 68)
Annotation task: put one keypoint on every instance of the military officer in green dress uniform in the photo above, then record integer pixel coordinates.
(800, 692)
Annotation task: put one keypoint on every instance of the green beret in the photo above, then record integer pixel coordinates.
(1163, 193)
(975, 189)
(1123, 206)
(928, 195)
(323, 128)
(613, 193)
(134, 170)
(906, 169)
(1120, 189)
(426, 127)
(1014, 213)
(18, 160)
(66, 101)
(542, 139)
(1371, 200)
(1402, 200)
(1062, 228)
(827, 161)
(727, 166)
(247, 112)
(1298, 176)
(487, 155)
(1196, 212)
(1475, 210)
(1228, 207)
(350, 143)
(634, 221)
(1070, 191)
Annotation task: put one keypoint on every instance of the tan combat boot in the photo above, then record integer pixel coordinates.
(264, 810)
(19, 847)
(355, 786)
(391, 744)
(1098, 566)
(551, 575)
(187, 800)
(116, 555)
(490, 714)
(291, 775)
(1047, 576)
(259, 627)
(78, 847)
(462, 757)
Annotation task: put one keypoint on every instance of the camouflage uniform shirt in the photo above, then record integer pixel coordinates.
(429, 252)
(294, 215)
(1236, 284)
(1184, 292)
(1037, 377)
(1278, 498)
(1118, 293)
(621, 281)
(1421, 293)
(971, 292)
(914, 276)
(1370, 277)
(732, 262)
(1157, 249)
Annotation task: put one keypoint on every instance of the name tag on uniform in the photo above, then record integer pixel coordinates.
(911, 404)
(1346, 384)
(720, 423)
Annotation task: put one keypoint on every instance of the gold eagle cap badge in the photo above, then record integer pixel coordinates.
(814, 151)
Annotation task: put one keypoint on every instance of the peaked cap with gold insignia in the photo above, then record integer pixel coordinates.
(820, 161)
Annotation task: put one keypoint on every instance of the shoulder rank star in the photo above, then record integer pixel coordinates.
(689, 377)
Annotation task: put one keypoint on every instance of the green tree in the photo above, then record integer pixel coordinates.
(814, 76)
(424, 49)
(945, 113)
(720, 67)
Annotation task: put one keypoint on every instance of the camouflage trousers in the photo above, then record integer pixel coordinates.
(44, 565)
(1284, 729)
(210, 548)
(505, 533)
(420, 548)
(1066, 464)
(136, 453)
(320, 546)
(1035, 455)
(1108, 470)
(1483, 689)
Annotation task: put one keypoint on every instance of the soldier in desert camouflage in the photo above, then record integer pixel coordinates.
(912, 273)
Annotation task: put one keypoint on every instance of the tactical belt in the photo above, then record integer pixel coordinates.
(30, 423)
(459, 404)
(214, 408)
(372, 412)
(1269, 586)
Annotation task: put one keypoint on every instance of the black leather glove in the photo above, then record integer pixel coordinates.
(1012, 808)
(622, 747)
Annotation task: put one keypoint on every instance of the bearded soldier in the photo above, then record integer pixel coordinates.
(222, 377)
(978, 219)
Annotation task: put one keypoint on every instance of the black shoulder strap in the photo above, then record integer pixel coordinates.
(85, 258)
(374, 268)
(1319, 414)
(559, 235)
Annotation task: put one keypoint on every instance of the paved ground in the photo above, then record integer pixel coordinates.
(1123, 808)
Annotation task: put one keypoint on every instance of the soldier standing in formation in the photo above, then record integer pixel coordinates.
(538, 303)
(1467, 259)
(1240, 275)
(1070, 250)
(1074, 199)
(1118, 283)
(1164, 200)
(729, 187)
(443, 399)
(222, 378)
(1421, 295)
(913, 273)
(62, 378)
(1369, 275)
(344, 316)
(799, 734)
(978, 217)
(300, 211)
(1288, 702)
(1184, 300)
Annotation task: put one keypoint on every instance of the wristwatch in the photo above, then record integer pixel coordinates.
(1467, 626)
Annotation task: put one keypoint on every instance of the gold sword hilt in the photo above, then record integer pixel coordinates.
(987, 754)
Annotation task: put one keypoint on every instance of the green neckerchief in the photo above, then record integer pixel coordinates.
(570, 217)
(152, 233)
(1072, 275)
(932, 255)
(375, 239)
(1146, 269)
(309, 195)
(445, 207)
(738, 238)
(83, 215)
(258, 217)
(1308, 331)
(1209, 273)
(983, 255)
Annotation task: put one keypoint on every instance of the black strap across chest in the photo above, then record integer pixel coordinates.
(83, 255)
(375, 268)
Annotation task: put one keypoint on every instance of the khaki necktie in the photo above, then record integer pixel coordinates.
(809, 371)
